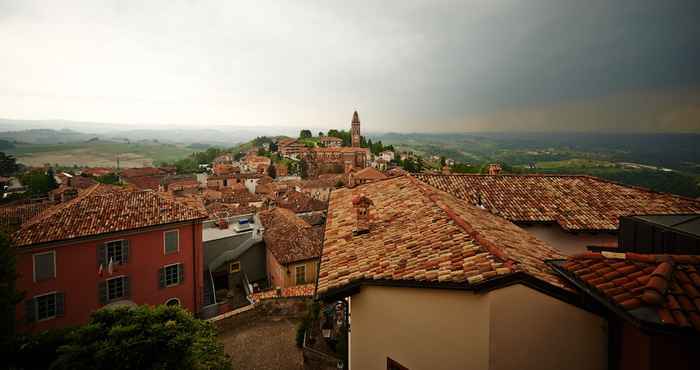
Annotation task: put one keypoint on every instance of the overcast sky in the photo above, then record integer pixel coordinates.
(405, 65)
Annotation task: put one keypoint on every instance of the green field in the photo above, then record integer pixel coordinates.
(99, 153)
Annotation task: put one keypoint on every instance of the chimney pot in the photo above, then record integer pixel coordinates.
(494, 169)
(361, 204)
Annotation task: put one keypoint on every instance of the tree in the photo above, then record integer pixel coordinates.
(110, 178)
(272, 171)
(303, 169)
(8, 165)
(320, 133)
(305, 134)
(51, 179)
(9, 296)
(37, 182)
(142, 338)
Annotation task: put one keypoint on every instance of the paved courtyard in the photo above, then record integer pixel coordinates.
(264, 343)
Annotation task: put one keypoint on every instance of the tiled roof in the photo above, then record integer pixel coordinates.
(418, 233)
(396, 171)
(151, 182)
(656, 289)
(299, 202)
(103, 209)
(97, 171)
(576, 203)
(306, 290)
(141, 171)
(82, 182)
(12, 216)
(369, 173)
(219, 210)
(288, 237)
(240, 196)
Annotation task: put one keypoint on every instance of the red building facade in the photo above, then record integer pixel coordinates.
(158, 260)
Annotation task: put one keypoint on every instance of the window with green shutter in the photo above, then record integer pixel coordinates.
(172, 275)
(172, 241)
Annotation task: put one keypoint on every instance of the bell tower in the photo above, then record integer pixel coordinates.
(355, 131)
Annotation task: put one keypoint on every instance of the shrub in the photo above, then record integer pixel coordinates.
(142, 338)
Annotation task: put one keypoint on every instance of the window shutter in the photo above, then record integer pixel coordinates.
(181, 273)
(101, 255)
(125, 283)
(30, 310)
(60, 309)
(125, 251)
(102, 292)
(161, 278)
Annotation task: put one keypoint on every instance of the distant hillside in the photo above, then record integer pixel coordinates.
(99, 153)
(60, 131)
(46, 136)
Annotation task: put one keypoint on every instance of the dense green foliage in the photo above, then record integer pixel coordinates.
(110, 179)
(8, 165)
(128, 338)
(38, 183)
(305, 134)
(412, 164)
(191, 163)
(34, 352)
(313, 312)
(9, 296)
(668, 182)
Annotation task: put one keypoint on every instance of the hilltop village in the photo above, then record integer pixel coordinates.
(400, 269)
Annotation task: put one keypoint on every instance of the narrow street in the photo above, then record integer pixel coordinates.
(264, 344)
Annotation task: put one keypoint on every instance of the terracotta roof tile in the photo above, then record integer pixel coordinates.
(13, 216)
(666, 291)
(103, 209)
(422, 234)
(306, 290)
(300, 202)
(288, 237)
(574, 202)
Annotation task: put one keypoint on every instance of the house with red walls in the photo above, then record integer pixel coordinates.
(109, 246)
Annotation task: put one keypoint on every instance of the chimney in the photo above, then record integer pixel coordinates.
(361, 205)
(494, 169)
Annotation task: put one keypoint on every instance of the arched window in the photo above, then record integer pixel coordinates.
(172, 302)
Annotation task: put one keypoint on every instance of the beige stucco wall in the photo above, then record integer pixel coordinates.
(509, 328)
(430, 329)
(531, 330)
(279, 277)
(570, 243)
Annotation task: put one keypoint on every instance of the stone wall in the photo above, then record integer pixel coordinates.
(293, 307)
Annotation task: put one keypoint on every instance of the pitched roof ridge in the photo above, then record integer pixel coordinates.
(174, 201)
(432, 194)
